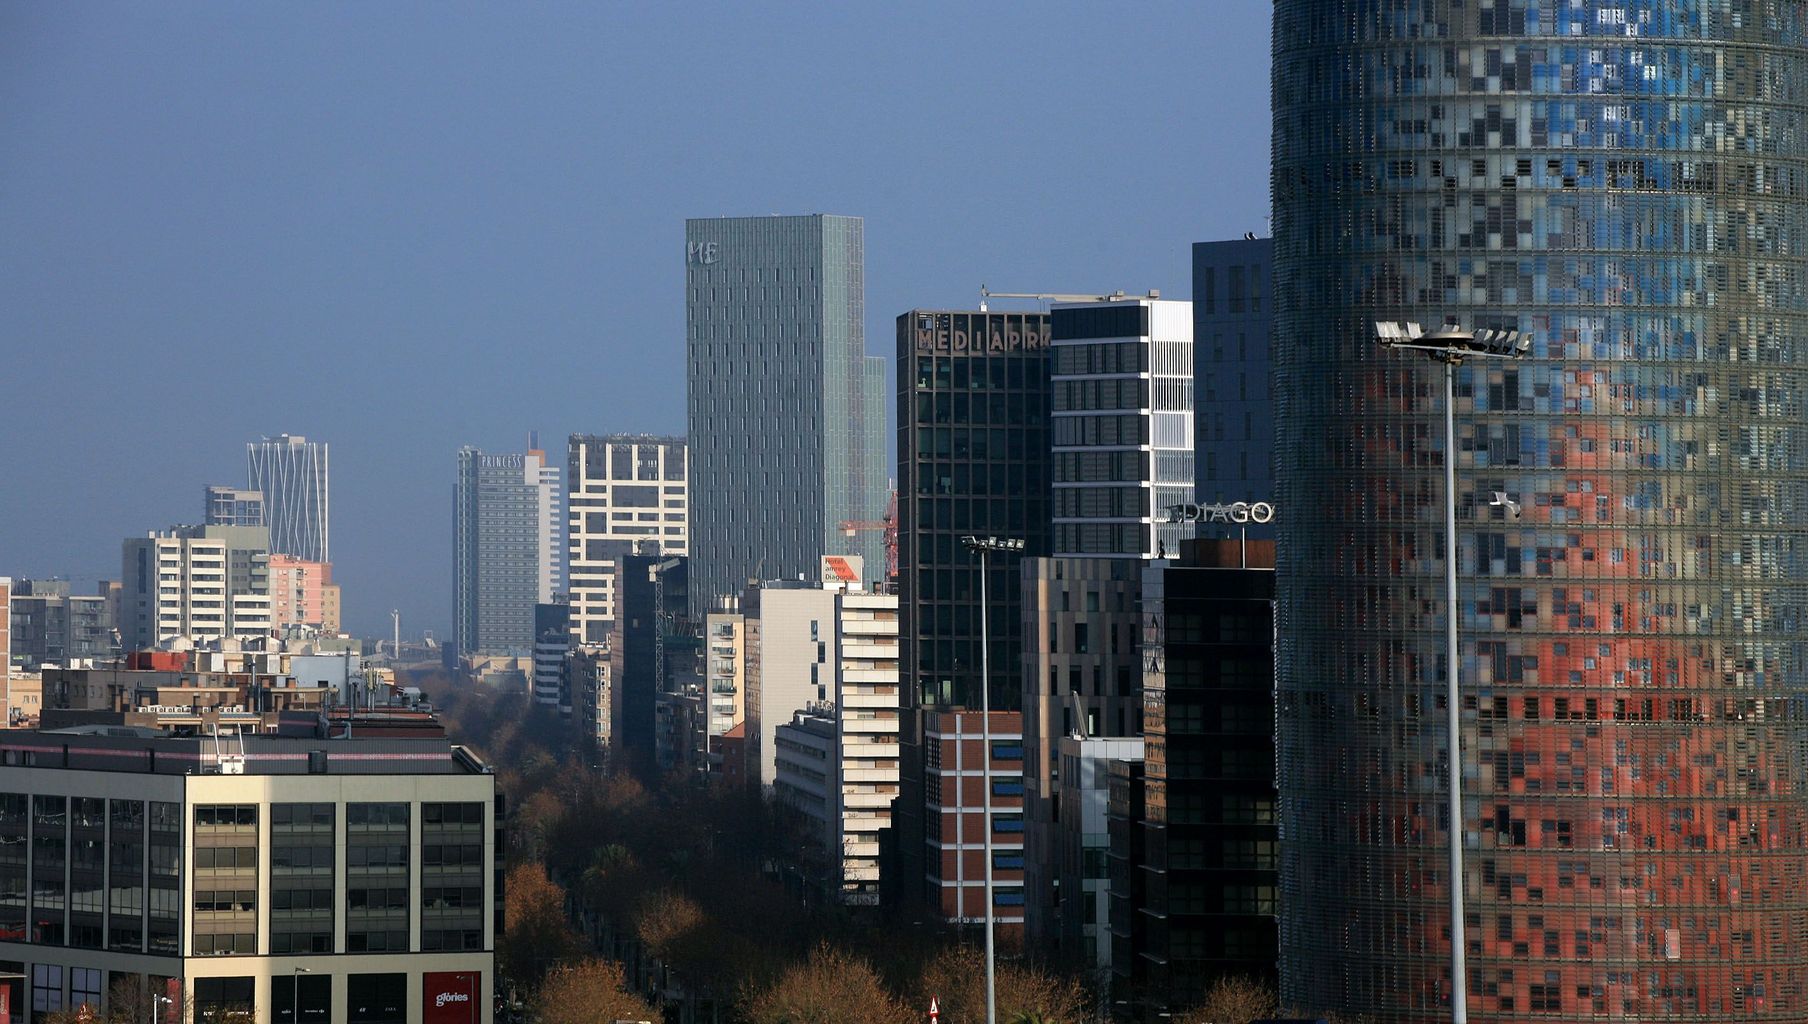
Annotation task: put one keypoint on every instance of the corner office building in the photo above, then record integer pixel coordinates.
(786, 409)
(213, 875)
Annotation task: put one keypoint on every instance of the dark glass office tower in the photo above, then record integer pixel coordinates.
(1233, 324)
(1624, 182)
(1206, 868)
(973, 458)
(786, 409)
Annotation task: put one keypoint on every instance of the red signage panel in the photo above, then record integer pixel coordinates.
(451, 997)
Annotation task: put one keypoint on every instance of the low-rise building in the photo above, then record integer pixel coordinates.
(958, 771)
(294, 879)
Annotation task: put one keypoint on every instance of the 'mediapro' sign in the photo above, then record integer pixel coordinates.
(1236, 512)
(983, 338)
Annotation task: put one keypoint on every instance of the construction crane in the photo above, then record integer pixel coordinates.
(987, 293)
(888, 525)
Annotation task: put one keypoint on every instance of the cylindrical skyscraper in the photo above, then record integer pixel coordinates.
(1626, 182)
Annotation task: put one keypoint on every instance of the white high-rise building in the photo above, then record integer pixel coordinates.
(837, 761)
(291, 473)
(1121, 425)
(204, 583)
(626, 495)
(867, 704)
(509, 547)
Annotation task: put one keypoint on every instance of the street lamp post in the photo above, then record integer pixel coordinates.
(984, 546)
(1450, 345)
(295, 993)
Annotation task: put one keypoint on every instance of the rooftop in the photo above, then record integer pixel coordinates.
(138, 750)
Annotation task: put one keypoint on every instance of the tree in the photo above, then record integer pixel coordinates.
(1234, 999)
(830, 987)
(538, 936)
(957, 976)
(590, 992)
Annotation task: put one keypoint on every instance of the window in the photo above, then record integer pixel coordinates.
(1007, 787)
(219, 1000)
(376, 998)
(1007, 896)
(1007, 822)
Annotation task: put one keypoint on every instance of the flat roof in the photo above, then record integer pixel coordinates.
(117, 748)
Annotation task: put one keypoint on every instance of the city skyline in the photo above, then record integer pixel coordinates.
(396, 259)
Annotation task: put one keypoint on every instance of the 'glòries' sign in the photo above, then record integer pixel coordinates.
(1237, 512)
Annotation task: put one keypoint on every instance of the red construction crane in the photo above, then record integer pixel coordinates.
(889, 525)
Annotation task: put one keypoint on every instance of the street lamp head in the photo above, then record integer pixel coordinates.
(1391, 333)
(973, 543)
(1451, 343)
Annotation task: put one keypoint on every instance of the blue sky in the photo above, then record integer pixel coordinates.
(405, 227)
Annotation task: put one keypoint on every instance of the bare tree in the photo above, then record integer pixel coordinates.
(956, 976)
(831, 987)
(589, 992)
(538, 935)
(1234, 999)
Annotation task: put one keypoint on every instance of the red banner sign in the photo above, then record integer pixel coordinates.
(451, 997)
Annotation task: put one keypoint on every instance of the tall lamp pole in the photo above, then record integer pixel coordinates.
(1450, 345)
(295, 993)
(984, 546)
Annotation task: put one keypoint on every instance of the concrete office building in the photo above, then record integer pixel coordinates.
(1233, 422)
(786, 410)
(291, 473)
(233, 506)
(973, 458)
(205, 583)
(509, 549)
(152, 868)
(1622, 183)
(625, 494)
(957, 767)
(51, 626)
(1082, 678)
(806, 779)
(790, 649)
(1121, 425)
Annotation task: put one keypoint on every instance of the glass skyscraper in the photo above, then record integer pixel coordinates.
(1624, 181)
(509, 555)
(290, 471)
(786, 409)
